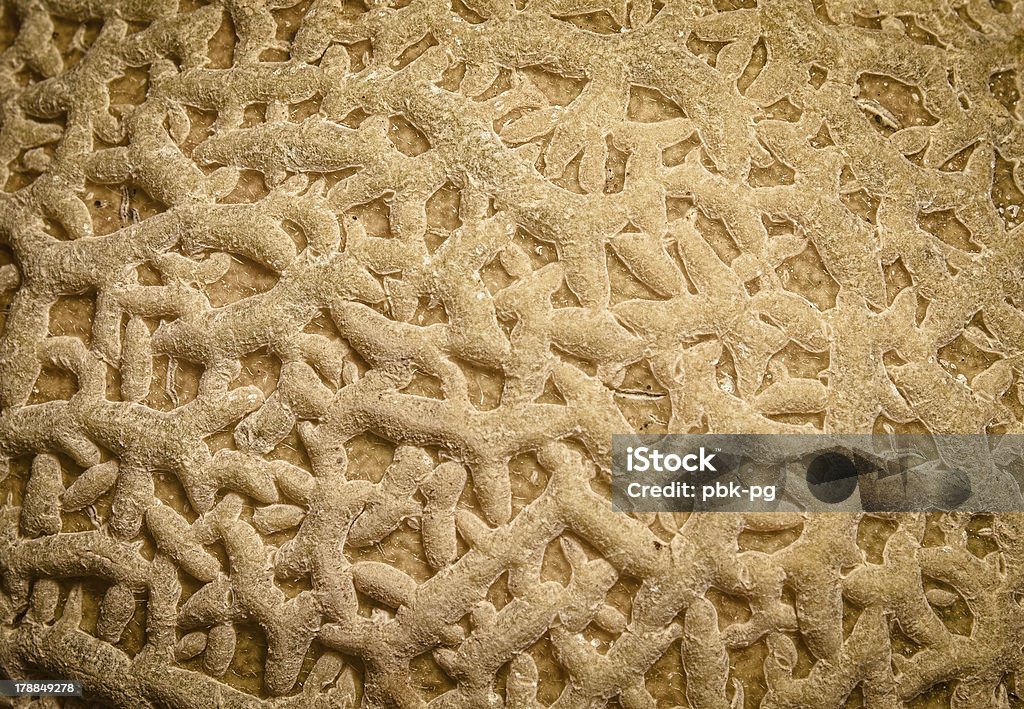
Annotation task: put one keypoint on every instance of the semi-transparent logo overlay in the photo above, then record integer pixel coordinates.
(817, 473)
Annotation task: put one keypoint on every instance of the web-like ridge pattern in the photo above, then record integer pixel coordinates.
(318, 319)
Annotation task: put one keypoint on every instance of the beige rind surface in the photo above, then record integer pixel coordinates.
(318, 318)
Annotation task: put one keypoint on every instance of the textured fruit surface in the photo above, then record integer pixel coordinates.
(318, 318)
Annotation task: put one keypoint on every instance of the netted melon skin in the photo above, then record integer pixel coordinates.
(318, 319)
